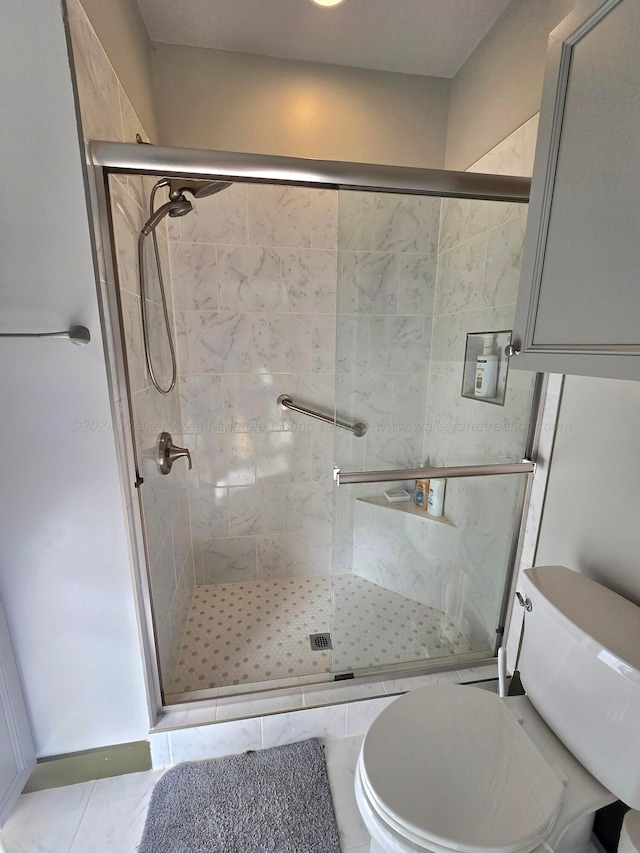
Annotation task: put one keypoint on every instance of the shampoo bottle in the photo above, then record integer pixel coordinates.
(486, 371)
(436, 498)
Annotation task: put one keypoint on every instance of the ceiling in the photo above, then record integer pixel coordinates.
(432, 37)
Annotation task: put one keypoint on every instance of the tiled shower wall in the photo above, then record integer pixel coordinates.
(254, 270)
(459, 568)
(106, 113)
(479, 256)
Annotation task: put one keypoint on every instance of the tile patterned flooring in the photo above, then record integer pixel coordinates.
(107, 816)
(258, 631)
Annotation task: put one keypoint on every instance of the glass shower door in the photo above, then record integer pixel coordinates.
(416, 275)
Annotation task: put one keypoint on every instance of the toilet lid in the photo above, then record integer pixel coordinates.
(451, 767)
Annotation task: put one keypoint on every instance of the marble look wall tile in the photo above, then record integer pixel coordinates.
(409, 397)
(249, 279)
(209, 510)
(461, 288)
(453, 223)
(323, 343)
(127, 222)
(402, 223)
(365, 397)
(219, 342)
(181, 533)
(219, 218)
(312, 391)
(283, 457)
(159, 350)
(225, 459)
(322, 455)
(355, 220)
(416, 284)
(309, 278)
(201, 402)
(385, 449)
(229, 560)
(447, 348)
(282, 555)
(280, 729)
(228, 738)
(308, 508)
(96, 80)
(256, 509)
(352, 344)
(194, 278)
(529, 138)
(397, 344)
(486, 215)
(133, 341)
(368, 283)
(324, 219)
(360, 715)
(282, 343)
(181, 328)
(250, 402)
(279, 215)
(131, 124)
(505, 158)
(504, 256)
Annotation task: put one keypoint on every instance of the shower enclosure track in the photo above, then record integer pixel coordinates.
(121, 158)
(449, 473)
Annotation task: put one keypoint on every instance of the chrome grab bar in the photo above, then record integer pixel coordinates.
(78, 335)
(286, 402)
(349, 477)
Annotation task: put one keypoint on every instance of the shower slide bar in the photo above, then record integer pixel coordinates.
(78, 335)
(286, 402)
(350, 477)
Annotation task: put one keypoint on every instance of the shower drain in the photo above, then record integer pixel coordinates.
(320, 642)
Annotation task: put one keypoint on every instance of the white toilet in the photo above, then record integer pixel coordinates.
(453, 768)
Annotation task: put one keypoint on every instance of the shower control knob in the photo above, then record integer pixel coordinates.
(168, 452)
(511, 350)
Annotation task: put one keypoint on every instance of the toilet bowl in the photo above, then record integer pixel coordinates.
(630, 834)
(456, 769)
(425, 780)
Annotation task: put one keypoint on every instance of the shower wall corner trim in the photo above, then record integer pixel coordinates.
(197, 163)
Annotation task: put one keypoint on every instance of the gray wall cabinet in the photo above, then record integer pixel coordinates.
(579, 301)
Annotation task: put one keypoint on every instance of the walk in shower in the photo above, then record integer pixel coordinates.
(318, 326)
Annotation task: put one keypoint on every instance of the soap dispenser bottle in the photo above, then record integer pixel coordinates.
(486, 371)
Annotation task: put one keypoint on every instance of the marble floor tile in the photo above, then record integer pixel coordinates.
(47, 821)
(114, 818)
(341, 755)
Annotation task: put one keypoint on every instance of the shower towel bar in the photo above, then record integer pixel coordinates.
(78, 335)
(349, 477)
(286, 402)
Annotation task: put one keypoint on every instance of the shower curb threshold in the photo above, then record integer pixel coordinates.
(309, 696)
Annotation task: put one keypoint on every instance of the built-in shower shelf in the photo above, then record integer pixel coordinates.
(408, 507)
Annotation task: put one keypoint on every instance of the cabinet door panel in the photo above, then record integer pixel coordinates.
(579, 300)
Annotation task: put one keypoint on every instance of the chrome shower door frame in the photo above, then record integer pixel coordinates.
(107, 158)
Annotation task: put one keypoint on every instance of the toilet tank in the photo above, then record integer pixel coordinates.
(580, 666)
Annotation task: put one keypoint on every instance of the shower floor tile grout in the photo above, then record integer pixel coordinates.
(258, 631)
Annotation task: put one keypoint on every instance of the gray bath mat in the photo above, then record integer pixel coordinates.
(271, 801)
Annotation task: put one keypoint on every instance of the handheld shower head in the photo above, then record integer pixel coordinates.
(199, 189)
(179, 206)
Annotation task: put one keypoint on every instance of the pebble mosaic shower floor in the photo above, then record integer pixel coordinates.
(243, 633)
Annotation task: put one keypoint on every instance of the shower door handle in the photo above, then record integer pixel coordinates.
(168, 452)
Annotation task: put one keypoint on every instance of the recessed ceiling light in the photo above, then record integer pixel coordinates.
(328, 2)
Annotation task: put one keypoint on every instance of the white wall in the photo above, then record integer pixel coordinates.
(64, 566)
(590, 520)
(500, 85)
(229, 101)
